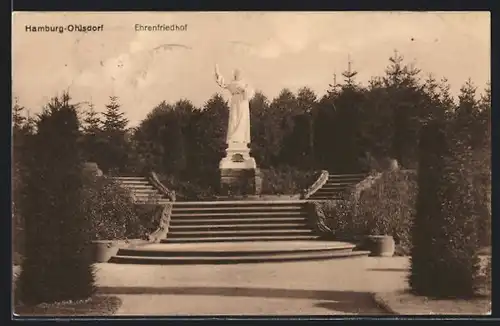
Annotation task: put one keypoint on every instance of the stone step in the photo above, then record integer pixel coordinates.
(344, 176)
(159, 201)
(242, 203)
(174, 233)
(168, 260)
(337, 186)
(130, 178)
(325, 197)
(240, 238)
(133, 184)
(142, 188)
(240, 221)
(237, 227)
(147, 194)
(222, 214)
(180, 209)
(330, 192)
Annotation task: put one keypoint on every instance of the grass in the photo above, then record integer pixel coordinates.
(405, 303)
(98, 305)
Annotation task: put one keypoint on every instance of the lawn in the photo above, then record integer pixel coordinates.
(96, 306)
(405, 303)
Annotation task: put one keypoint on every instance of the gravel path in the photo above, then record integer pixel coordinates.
(341, 286)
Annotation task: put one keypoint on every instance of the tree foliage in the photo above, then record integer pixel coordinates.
(56, 266)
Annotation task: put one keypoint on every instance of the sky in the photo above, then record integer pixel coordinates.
(273, 50)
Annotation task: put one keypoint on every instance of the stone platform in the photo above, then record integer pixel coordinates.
(233, 253)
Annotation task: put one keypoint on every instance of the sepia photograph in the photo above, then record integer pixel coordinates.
(205, 164)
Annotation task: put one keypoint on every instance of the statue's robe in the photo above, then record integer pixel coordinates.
(238, 130)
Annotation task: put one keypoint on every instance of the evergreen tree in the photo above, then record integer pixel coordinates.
(467, 121)
(114, 153)
(349, 74)
(342, 125)
(426, 228)
(55, 267)
(444, 259)
(21, 133)
(114, 118)
(404, 100)
(92, 121)
(93, 140)
(446, 99)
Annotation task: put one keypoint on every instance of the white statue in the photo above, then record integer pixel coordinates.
(238, 131)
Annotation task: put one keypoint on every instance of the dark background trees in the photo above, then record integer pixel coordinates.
(342, 131)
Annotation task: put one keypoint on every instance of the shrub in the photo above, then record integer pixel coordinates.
(149, 217)
(384, 208)
(387, 208)
(444, 261)
(111, 210)
(336, 217)
(189, 189)
(286, 180)
(55, 267)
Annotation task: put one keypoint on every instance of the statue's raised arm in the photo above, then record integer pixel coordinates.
(218, 77)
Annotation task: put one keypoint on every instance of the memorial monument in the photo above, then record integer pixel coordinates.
(239, 173)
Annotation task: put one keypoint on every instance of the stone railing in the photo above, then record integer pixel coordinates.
(364, 184)
(317, 219)
(162, 231)
(322, 179)
(153, 178)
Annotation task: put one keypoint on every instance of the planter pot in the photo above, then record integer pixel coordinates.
(102, 250)
(380, 245)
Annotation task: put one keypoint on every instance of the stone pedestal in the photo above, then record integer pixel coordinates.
(240, 182)
(238, 172)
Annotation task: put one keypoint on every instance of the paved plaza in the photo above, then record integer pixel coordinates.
(329, 287)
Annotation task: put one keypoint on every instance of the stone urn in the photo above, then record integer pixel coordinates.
(380, 245)
(102, 250)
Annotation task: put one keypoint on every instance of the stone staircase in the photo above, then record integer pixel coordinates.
(336, 185)
(235, 231)
(142, 190)
(233, 221)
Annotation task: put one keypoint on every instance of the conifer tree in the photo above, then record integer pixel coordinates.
(114, 118)
(56, 266)
(114, 154)
(444, 259)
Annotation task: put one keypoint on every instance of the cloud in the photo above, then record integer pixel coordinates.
(284, 34)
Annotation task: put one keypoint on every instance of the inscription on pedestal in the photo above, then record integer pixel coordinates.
(237, 182)
(237, 158)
